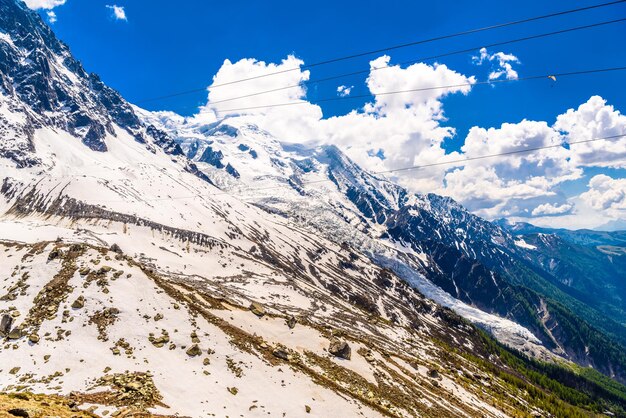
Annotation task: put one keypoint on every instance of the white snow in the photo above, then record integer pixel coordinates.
(523, 244)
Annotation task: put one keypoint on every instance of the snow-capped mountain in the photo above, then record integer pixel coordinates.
(149, 264)
(470, 261)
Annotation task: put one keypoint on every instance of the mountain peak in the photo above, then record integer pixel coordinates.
(42, 84)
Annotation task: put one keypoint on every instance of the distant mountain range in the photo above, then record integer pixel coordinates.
(587, 237)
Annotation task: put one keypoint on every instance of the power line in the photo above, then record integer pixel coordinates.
(462, 51)
(478, 83)
(459, 161)
(394, 47)
(504, 154)
(413, 167)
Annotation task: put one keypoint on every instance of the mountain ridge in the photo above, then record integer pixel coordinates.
(142, 252)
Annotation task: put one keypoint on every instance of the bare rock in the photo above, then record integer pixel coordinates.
(291, 322)
(433, 373)
(24, 412)
(15, 334)
(257, 309)
(194, 351)
(54, 254)
(281, 353)
(341, 349)
(79, 303)
(5, 324)
(116, 249)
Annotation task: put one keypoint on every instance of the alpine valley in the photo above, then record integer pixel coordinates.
(152, 265)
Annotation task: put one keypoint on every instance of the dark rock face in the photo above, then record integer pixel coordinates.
(226, 130)
(232, 171)
(49, 88)
(212, 157)
(163, 140)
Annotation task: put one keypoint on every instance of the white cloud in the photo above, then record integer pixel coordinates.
(118, 12)
(220, 91)
(44, 4)
(407, 129)
(52, 16)
(501, 64)
(344, 91)
(550, 209)
(595, 119)
(607, 195)
(510, 184)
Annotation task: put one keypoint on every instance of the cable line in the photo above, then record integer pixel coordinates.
(432, 57)
(461, 160)
(386, 93)
(393, 47)
(413, 167)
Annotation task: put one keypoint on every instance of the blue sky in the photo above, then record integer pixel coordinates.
(170, 46)
(166, 47)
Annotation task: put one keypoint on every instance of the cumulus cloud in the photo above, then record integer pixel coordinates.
(515, 185)
(118, 12)
(548, 209)
(404, 128)
(510, 184)
(595, 119)
(401, 130)
(344, 91)
(262, 77)
(502, 64)
(607, 195)
(44, 4)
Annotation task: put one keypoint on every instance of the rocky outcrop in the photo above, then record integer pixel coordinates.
(47, 87)
(340, 348)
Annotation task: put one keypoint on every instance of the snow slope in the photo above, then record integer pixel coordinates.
(150, 264)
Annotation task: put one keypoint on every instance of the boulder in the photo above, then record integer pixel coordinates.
(194, 351)
(257, 309)
(339, 348)
(15, 334)
(291, 322)
(281, 353)
(23, 412)
(5, 324)
(79, 303)
(116, 249)
(54, 254)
